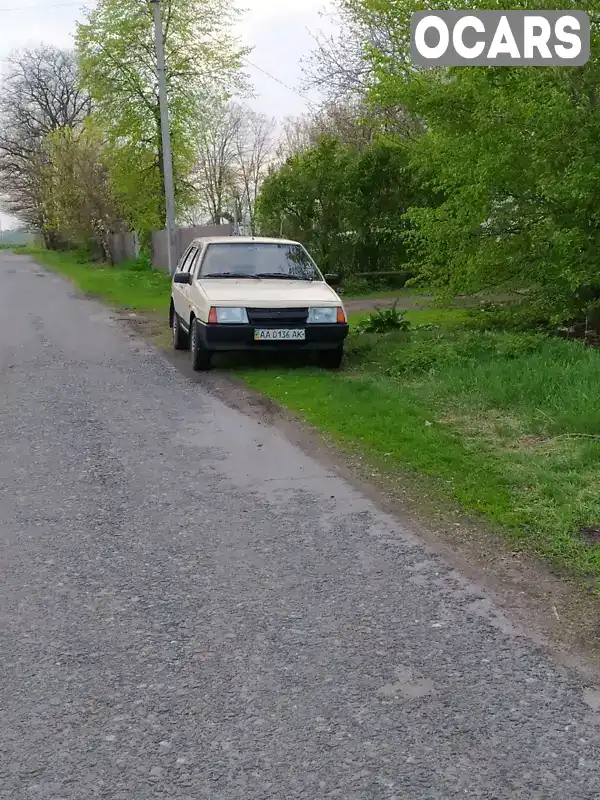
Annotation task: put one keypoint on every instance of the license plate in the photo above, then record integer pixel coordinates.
(278, 334)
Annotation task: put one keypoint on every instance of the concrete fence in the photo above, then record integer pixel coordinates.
(184, 237)
(122, 246)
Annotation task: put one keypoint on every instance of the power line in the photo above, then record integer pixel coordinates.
(41, 6)
(277, 80)
(246, 60)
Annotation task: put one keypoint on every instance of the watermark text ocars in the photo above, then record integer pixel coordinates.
(500, 38)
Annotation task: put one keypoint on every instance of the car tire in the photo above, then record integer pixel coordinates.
(181, 340)
(332, 359)
(201, 357)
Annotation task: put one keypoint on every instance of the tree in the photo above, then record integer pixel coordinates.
(304, 199)
(342, 120)
(40, 95)
(254, 150)
(235, 148)
(352, 120)
(339, 64)
(516, 153)
(346, 204)
(295, 137)
(81, 203)
(118, 67)
(216, 171)
(343, 68)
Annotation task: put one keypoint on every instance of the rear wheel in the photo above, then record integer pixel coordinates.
(201, 357)
(181, 340)
(332, 359)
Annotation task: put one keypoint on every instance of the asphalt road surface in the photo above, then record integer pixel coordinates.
(191, 607)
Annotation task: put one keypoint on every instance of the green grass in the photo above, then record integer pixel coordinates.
(443, 317)
(131, 285)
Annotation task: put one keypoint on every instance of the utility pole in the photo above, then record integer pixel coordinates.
(166, 136)
(236, 224)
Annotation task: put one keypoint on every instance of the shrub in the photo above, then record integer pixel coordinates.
(384, 320)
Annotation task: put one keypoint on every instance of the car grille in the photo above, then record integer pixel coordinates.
(277, 317)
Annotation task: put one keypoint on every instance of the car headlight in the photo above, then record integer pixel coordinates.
(232, 315)
(324, 316)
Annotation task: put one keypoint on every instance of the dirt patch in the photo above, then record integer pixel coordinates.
(529, 442)
(590, 535)
(557, 612)
(150, 326)
(494, 428)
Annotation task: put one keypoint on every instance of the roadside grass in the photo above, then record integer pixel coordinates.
(132, 285)
(442, 317)
(505, 424)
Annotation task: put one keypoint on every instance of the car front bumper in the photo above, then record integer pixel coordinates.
(241, 337)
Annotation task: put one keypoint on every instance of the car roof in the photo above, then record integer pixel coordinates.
(241, 240)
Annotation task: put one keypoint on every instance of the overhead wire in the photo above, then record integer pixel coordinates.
(40, 6)
(72, 4)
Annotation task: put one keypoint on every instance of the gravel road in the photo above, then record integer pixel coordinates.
(192, 608)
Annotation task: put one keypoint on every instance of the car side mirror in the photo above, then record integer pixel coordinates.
(333, 279)
(182, 277)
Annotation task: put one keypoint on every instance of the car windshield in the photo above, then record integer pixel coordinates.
(258, 260)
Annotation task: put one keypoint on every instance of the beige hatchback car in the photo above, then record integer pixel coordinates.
(241, 293)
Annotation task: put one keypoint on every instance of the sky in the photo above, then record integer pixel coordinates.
(280, 33)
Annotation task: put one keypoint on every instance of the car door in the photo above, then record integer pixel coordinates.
(180, 290)
(190, 267)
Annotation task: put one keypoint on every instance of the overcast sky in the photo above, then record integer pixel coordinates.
(280, 34)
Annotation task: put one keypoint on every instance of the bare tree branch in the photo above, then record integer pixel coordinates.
(39, 95)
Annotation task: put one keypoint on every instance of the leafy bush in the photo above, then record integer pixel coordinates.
(384, 320)
(354, 285)
(521, 316)
(139, 264)
(517, 345)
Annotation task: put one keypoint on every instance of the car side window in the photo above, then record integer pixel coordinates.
(192, 260)
(182, 263)
(182, 260)
(196, 259)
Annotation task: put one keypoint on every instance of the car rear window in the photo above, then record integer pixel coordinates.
(240, 259)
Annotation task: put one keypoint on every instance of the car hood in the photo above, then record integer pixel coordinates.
(262, 292)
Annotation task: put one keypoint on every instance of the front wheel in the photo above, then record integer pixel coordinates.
(332, 359)
(201, 357)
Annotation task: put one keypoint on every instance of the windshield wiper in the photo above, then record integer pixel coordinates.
(228, 275)
(282, 276)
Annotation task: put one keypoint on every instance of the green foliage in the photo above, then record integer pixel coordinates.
(515, 154)
(80, 201)
(304, 200)
(344, 203)
(384, 320)
(117, 65)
